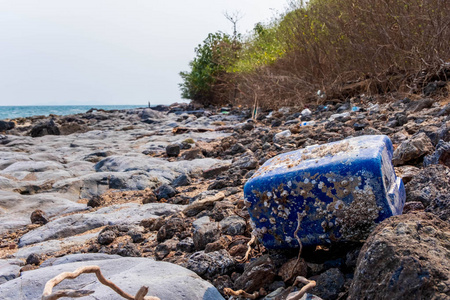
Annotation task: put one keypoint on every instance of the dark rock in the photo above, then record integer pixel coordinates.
(329, 284)
(351, 258)
(441, 155)
(161, 251)
(95, 201)
(38, 217)
(431, 182)
(445, 111)
(192, 154)
(205, 232)
(186, 245)
(210, 264)
(136, 235)
(45, 128)
(432, 87)
(215, 171)
(406, 257)
(233, 225)
(173, 150)
(418, 105)
(223, 281)
(257, 274)
(165, 191)
(440, 207)
(413, 206)
(170, 228)
(237, 148)
(401, 119)
(106, 237)
(128, 250)
(293, 268)
(276, 123)
(182, 180)
(246, 161)
(247, 126)
(33, 259)
(6, 125)
(413, 149)
(218, 184)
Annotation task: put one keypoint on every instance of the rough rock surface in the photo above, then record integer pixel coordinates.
(406, 257)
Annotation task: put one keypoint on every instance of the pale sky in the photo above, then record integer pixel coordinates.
(58, 52)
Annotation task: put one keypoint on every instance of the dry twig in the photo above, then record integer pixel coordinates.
(299, 221)
(309, 284)
(48, 295)
(240, 293)
(249, 249)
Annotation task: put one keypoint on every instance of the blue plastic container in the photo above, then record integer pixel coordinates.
(338, 191)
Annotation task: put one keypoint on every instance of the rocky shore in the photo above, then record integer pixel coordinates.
(155, 197)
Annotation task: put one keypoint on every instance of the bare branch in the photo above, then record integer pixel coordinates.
(240, 293)
(48, 295)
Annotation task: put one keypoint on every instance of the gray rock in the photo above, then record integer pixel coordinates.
(130, 213)
(441, 155)
(9, 269)
(149, 113)
(246, 161)
(165, 191)
(165, 280)
(53, 246)
(233, 225)
(71, 258)
(416, 147)
(428, 184)
(205, 232)
(17, 209)
(182, 180)
(210, 264)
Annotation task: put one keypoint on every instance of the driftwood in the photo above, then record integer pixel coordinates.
(240, 293)
(49, 295)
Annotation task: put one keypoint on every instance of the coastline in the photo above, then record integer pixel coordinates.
(166, 184)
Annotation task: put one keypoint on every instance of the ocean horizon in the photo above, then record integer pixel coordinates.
(13, 112)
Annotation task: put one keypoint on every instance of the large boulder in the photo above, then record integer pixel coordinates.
(406, 257)
(7, 125)
(45, 128)
(164, 280)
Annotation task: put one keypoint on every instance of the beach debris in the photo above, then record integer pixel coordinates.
(325, 193)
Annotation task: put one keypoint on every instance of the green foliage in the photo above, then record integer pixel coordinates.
(212, 59)
(261, 48)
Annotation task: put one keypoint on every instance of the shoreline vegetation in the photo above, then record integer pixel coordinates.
(327, 50)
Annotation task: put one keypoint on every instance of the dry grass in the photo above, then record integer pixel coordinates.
(349, 47)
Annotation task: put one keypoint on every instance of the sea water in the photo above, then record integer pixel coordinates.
(12, 112)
